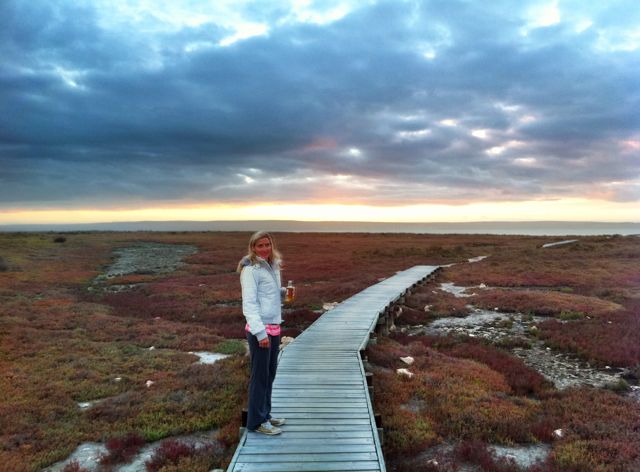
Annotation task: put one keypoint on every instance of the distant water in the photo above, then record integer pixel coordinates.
(534, 228)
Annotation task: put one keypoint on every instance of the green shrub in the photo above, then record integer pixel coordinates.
(231, 346)
(621, 386)
(511, 342)
(505, 324)
(571, 315)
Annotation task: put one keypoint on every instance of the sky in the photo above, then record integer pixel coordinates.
(434, 110)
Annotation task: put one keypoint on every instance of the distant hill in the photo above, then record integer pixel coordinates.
(555, 228)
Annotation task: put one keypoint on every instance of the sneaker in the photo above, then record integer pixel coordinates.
(277, 421)
(268, 429)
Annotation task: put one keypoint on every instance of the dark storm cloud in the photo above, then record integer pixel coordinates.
(393, 95)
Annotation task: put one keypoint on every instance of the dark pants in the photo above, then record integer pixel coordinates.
(264, 363)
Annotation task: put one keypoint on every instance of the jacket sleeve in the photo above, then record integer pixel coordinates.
(283, 290)
(250, 304)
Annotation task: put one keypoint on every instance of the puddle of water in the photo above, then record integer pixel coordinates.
(86, 405)
(476, 259)
(560, 243)
(523, 456)
(92, 403)
(209, 357)
(87, 454)
(480, 321)
(120, 287)
(456, 290)
(562, 369)
(149, 257)
(471, 261)
(146, 258)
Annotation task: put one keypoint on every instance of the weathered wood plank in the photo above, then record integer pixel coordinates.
(296, 404)
(308, 467)
(312, 394)
(299, 419)
(294, 389)
(313, 457)
(325, 426)
(340, 410)
(316, 383)
(302, 438)
(310, 383)
(305, 447)
(326, 436)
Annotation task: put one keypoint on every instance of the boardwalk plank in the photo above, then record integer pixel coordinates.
(363, 466)
(298, 419)
(313, 457)
(320, 406)
(302, 439)
(305, 447)
(326, 436)
(328, 427)
(342, 410)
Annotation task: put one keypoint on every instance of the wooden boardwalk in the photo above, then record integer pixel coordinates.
(321, 390)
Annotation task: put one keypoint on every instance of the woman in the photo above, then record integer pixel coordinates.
(261, 305)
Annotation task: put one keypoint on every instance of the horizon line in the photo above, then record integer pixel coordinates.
(553, 228)
(274, 220)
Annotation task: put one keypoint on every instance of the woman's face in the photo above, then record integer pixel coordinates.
(263, 248)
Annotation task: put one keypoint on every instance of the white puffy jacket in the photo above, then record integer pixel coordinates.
(261, 295)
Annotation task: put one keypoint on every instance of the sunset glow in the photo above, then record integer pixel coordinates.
(559, 210)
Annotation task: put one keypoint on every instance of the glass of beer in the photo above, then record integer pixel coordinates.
(291, 292)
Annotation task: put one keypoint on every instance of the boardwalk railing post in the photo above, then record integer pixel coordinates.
(381, 325)
(369, 378)
(378, 418)
(365, 363)
(243, 421)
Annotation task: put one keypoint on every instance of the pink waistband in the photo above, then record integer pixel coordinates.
(272, 329)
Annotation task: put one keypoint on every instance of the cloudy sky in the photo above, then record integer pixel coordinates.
(434, 110)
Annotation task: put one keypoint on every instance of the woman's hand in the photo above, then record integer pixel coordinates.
(264, 343)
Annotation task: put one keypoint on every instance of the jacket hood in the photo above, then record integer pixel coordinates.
(246, 261)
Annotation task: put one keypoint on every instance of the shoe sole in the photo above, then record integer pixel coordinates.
(267, 432)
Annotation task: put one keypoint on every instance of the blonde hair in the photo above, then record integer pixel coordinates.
(251, 251)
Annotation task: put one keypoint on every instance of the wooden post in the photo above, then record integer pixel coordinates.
(382, 326)
(369, 378)
(378, 418)
(365, 359)
(243, 421)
